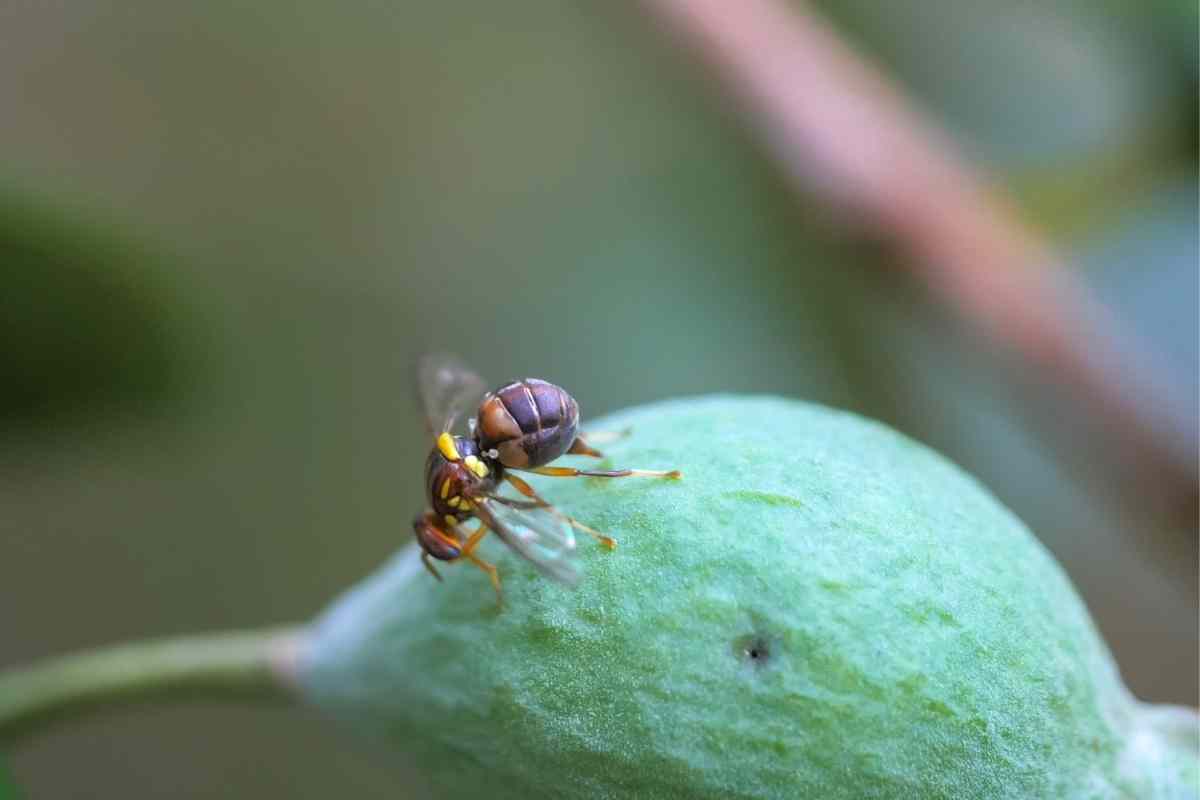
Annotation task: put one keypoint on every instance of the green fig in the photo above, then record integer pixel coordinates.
(819, 608)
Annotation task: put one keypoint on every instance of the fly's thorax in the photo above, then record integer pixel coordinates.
(528, 423)
(454, 471)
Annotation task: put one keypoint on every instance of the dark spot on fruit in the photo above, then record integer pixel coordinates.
(753, 649)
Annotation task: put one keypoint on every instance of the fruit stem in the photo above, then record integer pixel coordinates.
(243, 665)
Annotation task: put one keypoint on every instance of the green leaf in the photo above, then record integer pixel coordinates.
(820, 608)
(86, 329)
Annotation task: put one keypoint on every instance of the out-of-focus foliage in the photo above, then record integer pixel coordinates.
(1145, 266)
(550, 190)
(7, 790)
(83, 331)
(1079, 105)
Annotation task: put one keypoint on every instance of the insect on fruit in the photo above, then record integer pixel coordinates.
(520, 427)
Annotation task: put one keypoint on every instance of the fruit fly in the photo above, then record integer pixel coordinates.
(519, 427)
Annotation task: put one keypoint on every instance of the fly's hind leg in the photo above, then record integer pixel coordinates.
(527, 490)
(568, 472)
(582, 446)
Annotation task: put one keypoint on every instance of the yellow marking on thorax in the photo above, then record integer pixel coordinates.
(454, 501)
(445, 488)
(450, 519)
(445, 443)
(476, 466)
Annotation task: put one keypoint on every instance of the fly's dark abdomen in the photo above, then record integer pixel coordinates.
(529, 423)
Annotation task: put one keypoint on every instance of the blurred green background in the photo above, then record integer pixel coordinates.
(228, 230)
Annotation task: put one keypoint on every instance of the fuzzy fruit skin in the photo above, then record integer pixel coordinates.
(912, 638)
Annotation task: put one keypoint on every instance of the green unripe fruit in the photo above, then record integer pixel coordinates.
(820, 608)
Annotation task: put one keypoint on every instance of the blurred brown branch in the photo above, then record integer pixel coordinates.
(840, 129)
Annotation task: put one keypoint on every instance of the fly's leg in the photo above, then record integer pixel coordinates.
(468, 552)
(429, 566)
(568, 472)
(527, 490)
(582, 446)
(474, 539)
(490, 569)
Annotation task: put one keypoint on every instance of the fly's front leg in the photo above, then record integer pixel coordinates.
(492, 573)
(428, 562)
(475, 538)
(468, 552)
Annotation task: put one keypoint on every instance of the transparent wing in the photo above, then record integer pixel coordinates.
(535, 533)
(448, 388)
